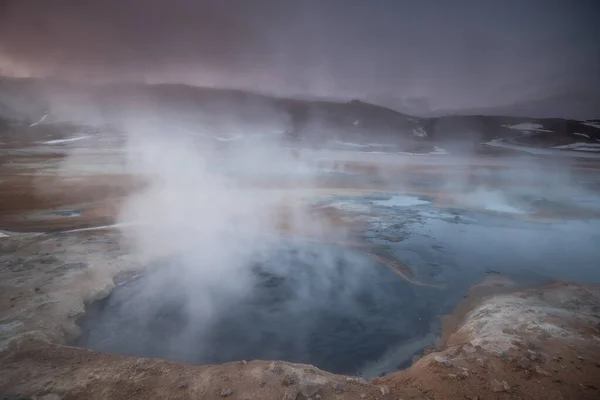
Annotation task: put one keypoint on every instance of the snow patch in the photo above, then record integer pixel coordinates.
(593, 124)
(502, 143)
(438, 150)
(527, 126)
(580, 146)
(581, 134)
(419, 132)
(350, 144)
(59, 141)
(40, 121)
(227, 139)
(381, 145)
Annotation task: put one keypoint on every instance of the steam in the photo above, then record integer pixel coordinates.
(208, 215)
(225, 198)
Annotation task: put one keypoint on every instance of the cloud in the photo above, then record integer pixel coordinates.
(437, 54)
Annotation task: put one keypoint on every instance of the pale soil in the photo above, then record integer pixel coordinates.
(543, 342)
(500, 343)
(540, 343)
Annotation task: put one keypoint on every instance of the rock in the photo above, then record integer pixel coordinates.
(363, 396)
(79, 265)
(428, 350)
(290, 395)
(541, 371)
(356, 380)
(243, 362)
(535, 357)
(226, 392)
(339, 386)
(443, 360)
(524, 363)
(50, 396)
(384, 390)
(274, 368)
(309, 388)
(318, 397)
(289, 380)
(498, 386)
(469, 349)
(580, 358)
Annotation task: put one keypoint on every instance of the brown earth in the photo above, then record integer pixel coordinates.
(502, 342)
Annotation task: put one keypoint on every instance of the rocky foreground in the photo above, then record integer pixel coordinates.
(500, 343)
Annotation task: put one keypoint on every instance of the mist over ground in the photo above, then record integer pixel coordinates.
(533, 58)
(314, 181)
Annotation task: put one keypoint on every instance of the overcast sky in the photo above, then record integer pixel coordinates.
(429, 54)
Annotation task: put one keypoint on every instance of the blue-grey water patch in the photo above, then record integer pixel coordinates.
(322, 305)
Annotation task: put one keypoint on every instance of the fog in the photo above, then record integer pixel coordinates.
(534, 58)
(207, 217)
(284, 222)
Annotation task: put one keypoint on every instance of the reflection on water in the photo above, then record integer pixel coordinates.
(318, 305)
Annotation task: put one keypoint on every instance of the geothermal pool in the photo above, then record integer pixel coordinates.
(337, 307)
(322, 305)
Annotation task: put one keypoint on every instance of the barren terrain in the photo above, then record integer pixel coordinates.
(60, 252)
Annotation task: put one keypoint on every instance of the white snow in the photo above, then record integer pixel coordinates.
(3, 235)
(227, 139)
(381, 145)
(59, 141)
(40, 121)
(546, 151)
(580, 146)
(438, 150)
(527, 126)
(581, 134)
(350, 144)
(592, 124)
(401, 201)
(419, 132)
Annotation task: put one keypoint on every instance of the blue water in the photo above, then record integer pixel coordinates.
(320, 305)
(336, 308)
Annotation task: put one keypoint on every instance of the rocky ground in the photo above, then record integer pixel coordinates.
(501, 342)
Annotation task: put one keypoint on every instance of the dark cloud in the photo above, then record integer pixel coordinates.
(440, 54)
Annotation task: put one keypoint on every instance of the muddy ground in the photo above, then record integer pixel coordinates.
(503, 341)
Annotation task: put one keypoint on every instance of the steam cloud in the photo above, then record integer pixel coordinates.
(212, 213)
(420, 57)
